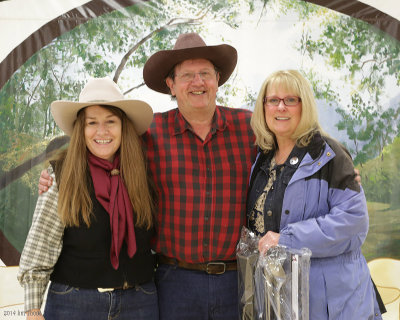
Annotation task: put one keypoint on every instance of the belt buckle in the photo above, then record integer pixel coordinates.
(105, 289)
(216, 264)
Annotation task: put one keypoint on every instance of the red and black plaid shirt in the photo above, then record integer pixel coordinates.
(202, 185)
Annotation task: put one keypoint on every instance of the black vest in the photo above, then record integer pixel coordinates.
(85, 257)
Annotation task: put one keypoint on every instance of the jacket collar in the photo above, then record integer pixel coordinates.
(314, 149)
(316, 145)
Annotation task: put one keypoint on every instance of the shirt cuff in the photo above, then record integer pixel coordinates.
(34, 293)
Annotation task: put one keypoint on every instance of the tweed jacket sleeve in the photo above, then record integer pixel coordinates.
(42, 247)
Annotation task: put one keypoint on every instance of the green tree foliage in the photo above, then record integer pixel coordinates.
(381, 178)
(368, 59)
(369, 130)
(116, 44)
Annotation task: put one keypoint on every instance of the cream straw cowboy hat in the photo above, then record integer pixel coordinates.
(101, 91)
(188, 46)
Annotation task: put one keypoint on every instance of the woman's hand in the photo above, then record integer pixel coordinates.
(271, 239)
(34, 314)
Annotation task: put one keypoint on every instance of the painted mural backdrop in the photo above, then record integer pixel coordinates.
(353, 67)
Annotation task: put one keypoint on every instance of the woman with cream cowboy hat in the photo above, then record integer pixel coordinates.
(91, 231)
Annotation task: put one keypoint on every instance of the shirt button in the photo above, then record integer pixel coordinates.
(328, 154)
(269, 213)
(206, 218)
(319, 163)
(287, 211)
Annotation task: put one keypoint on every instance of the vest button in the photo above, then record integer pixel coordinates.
(269, 213)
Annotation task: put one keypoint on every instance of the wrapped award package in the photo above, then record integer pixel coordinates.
(273, 286)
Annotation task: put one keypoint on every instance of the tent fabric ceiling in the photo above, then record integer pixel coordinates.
(387, 6)
(54, 28)
(365, 12)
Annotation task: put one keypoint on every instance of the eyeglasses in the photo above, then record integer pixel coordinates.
(289, 101)
(189, 76)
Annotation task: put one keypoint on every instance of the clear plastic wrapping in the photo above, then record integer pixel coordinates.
(247, 256)
(273, 286)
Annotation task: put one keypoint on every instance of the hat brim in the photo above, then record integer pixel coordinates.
(65, 113)
(157, 67)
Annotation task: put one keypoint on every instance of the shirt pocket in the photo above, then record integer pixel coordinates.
(60, 289)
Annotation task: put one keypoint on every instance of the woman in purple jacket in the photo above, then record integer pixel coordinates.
(303, 193)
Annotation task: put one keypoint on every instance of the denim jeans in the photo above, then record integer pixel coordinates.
(66, 302)
(196, 295)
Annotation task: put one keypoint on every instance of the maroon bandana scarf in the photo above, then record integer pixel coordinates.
(111, 192)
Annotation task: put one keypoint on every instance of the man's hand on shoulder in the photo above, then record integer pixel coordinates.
(358, 177)
(45, 181)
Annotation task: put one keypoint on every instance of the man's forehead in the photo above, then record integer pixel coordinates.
(197, 63)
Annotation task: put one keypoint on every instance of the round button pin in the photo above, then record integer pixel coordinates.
(294, 160)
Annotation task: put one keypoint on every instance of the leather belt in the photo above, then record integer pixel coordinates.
(213, 267)
(124, 287)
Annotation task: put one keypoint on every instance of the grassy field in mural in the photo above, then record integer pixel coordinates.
(383, 238)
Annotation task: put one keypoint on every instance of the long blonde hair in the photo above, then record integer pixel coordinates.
(72, 172)
(292, 81)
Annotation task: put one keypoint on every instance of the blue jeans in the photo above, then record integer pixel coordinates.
(66, 302)
(196, 295)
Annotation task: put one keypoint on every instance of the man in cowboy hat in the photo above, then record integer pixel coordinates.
(200, 156)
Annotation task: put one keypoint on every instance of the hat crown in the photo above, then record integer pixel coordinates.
(100, 90)
(189, 40)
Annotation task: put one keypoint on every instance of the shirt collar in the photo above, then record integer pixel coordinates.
(219, 122)
(293, 161)
(295, 157)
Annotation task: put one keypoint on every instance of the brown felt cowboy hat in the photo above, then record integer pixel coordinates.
(188, 46)
(101, 91)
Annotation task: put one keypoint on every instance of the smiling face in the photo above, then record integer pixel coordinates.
(197, 94)
(282, 120)
(103, 130)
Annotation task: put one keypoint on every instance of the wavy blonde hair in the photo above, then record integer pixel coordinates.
(291, 81)
(73, 178)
